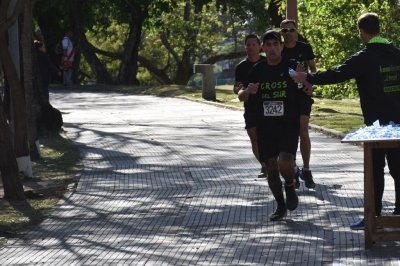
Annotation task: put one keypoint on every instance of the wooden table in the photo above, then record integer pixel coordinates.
(372, 222)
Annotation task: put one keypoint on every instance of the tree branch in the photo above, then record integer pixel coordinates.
(219, 57)
(159, 74)
(167, 45)
(114, 55)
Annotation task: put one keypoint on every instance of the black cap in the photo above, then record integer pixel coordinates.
(272, 34)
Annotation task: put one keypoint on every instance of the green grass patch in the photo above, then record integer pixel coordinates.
(341, 115)
(15, 216)
(59, 166)
(60, 159)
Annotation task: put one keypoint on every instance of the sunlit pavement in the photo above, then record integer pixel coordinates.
(173, 182)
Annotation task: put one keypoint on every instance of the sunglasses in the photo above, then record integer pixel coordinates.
(285, 30)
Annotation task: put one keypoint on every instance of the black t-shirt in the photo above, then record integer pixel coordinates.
(243, 68)
(278, 98)
(241, 73)
(302, 52)
(376, 69)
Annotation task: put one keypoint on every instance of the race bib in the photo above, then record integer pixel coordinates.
(273, 108)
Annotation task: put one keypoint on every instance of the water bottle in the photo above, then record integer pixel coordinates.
(292, 73)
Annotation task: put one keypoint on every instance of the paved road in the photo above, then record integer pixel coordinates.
(172, 182)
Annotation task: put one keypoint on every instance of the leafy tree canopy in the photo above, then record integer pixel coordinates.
(332, 31)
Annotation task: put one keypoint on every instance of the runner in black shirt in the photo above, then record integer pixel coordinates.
(276, 100)
(253, 48)
(304, 55)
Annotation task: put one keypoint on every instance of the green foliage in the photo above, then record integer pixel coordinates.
(252, 16)
(203, 29)
(55, 8)
(332, 31)
(390, 14)
(186, 31)
(145, 78)
(194, 29)
(111, 39)
(104, 12)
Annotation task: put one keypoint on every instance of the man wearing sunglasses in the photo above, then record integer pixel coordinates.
(304, 55)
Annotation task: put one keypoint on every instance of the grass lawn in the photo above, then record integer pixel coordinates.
(60, 164)
(341, 115)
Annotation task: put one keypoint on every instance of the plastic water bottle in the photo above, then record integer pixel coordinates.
(293, 73)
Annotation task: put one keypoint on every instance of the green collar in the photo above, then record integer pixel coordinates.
(378, 39)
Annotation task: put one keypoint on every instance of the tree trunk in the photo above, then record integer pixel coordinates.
(185, 65)
(101, 73)
(273, 11)
(13, 189)
(21, 144)
(129, 68)
(159, 74)
(31, 98)
(49, 24)
(185, 69)
(99, 70)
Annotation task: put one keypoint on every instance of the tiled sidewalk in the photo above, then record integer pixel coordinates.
(172, 182)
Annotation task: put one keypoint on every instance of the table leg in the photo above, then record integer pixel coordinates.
(369, 196)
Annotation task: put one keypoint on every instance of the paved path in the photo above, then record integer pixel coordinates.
(172, 182)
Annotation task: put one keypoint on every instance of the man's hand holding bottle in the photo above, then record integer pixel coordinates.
(300, 77)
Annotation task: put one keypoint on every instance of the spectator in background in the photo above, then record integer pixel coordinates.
(67, 59)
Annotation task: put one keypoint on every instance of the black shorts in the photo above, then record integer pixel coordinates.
(250, 121)
(305, 107)
(274, 138)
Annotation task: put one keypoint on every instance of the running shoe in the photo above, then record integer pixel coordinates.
(358, 225)
(291, 196)
(308, 178)
(262, 173)
(279, 213)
